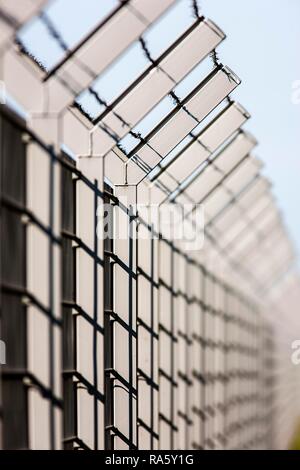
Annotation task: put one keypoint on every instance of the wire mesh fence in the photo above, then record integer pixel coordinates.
(136, 344)
(118, 335)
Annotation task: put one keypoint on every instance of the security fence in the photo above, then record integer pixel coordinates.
(139, 346)
(119, 334)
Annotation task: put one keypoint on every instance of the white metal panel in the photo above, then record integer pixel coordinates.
(216, 201)
(153, 11)
(167, 350)
(195, 153)
(39, 429)
(173, 132)
(147, 339)
(202, 185)
(255, 191)
(5, 31)
(255, 199)
(223, 163)
(240, 245)
(21, 11)
(18, 13)
(85, 416)
(43, 183)
(199, 105)
(231, 156)
(228, 192)
(128, 27)
(124, 279)
(185, 56)
(267, 243)
(186, 163)
(224, 125)
(153, 87)
(89, 297)
(243, 175)
(259, 205)
(182, 370)
(195, 312)
(124, 27)
(212, 93)
(21, 82)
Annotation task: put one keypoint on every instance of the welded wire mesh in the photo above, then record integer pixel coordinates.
(133, 342)
(199, 365)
